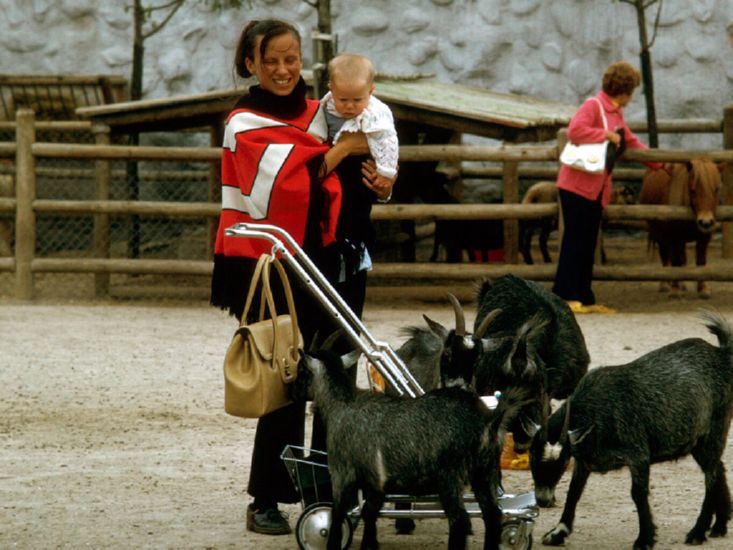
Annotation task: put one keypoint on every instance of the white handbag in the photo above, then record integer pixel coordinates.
(587, 157)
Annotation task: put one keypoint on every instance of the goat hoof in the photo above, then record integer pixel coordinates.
(556, 537)
(719, 531)
(694, 538)
(404, 526)
(643, 546)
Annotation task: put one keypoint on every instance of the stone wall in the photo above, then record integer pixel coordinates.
(553, 49)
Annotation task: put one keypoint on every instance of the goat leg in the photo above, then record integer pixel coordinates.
(373, 502)
(562, 530)
(459, 523)
(341, 504)
(722, 503)
(491, 514)
(717, 498)
(640, 496)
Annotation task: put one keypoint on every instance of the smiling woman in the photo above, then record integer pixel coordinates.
(276, 169)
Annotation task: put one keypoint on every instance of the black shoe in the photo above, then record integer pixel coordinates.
(268, 521)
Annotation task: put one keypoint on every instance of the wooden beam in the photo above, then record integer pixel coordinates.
(99, 265)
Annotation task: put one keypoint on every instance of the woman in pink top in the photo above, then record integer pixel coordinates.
(582, 195)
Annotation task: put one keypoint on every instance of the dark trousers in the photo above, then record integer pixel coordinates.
(268, 479)
(574, 275)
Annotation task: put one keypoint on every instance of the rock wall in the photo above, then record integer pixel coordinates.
(553, 49)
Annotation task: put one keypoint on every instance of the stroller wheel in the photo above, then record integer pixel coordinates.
(515, 535)
(312, 529)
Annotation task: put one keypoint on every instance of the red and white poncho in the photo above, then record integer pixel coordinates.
(267, 171)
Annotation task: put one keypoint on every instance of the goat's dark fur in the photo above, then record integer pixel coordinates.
(558, 348)
(669, 403)
(434, 444)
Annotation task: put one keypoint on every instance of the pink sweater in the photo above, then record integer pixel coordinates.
(586, 126)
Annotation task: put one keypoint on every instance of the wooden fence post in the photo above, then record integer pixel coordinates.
(562, 139)
(727, 245)
(216, 138)
(103, 174)
(25, 189)
(510, 186)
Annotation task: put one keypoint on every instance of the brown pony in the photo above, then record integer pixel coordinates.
(695, 184)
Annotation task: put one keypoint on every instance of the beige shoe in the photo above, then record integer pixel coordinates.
(600, 308)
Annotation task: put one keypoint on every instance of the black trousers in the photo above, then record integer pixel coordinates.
(574, 275)
(268, 478)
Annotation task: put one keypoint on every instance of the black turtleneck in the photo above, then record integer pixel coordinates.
(285, 106)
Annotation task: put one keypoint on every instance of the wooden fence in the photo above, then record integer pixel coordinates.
(26, 207)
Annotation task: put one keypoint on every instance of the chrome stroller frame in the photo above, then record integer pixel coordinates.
(307, 467)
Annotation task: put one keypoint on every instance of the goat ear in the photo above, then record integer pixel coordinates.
(436, 327)
(332, 338)
(313, 364)
(576, 436)
(350, 359)
(491, 344)
(530, 427)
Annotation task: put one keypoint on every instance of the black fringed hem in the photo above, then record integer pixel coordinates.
(230, 281)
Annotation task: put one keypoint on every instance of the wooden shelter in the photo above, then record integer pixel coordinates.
(56, 97)
(426, 102)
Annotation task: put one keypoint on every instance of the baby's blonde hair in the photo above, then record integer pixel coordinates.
(351, 66)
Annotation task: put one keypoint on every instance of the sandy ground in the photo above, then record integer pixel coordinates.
(112, 432)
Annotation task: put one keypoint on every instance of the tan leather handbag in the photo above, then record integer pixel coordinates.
(262, 358)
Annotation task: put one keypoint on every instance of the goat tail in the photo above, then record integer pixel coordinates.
(510, 404)
(717, 325)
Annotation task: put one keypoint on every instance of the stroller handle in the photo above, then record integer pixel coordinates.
(384, 358)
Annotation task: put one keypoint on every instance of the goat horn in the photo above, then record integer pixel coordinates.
(460, 317)
(486, 322)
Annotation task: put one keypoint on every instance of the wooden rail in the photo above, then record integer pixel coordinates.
(27, 207)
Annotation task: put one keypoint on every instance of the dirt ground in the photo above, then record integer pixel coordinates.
(113, 435)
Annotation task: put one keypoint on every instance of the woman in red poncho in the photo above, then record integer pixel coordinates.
(276, 169)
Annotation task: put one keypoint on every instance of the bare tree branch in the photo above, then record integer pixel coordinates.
(164, 6)
(650, 3)
(656, 22)
(311, 4)
(159, 26)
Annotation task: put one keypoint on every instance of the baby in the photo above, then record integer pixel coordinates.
(349, 106)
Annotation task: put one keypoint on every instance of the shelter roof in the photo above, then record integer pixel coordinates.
(510, 117)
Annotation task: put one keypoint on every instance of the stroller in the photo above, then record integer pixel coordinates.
(308, 467)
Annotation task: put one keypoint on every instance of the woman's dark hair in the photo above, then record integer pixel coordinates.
(620, 78)
(267, 29)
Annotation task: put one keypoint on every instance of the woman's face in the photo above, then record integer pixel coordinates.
(623, 99)
(278, 71)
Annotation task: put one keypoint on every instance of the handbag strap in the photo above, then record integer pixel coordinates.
(267, 291)
(254, 283)
(603, 113)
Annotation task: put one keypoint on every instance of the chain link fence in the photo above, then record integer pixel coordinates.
(136, 237)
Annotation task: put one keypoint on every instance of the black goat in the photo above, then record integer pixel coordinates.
(556, 346)
(669, 403)
(433, 444)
